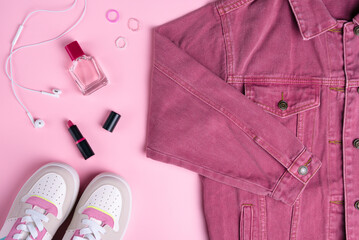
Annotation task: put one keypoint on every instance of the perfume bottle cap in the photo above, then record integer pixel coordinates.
(111, 121)
(74, 50)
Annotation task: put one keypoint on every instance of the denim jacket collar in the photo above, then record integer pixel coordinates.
(313, 17)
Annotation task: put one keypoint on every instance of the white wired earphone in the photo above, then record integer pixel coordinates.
(38, 123)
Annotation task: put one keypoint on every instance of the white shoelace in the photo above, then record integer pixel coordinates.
(93, 230)
(33, 222)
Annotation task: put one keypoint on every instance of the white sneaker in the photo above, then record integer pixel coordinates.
(103, 211)
(42, 204)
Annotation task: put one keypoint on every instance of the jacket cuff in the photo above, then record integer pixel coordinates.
(294, 180)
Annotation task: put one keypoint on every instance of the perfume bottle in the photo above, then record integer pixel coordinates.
(85, 70)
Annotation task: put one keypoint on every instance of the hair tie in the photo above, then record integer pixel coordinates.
(133, 24)
(108, 13)
(121, 42)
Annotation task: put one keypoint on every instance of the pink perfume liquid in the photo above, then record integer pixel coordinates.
(85, 70)
(87, 74)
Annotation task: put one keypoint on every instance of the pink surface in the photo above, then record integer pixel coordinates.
(166, 199)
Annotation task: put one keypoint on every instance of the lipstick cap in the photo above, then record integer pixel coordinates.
(111, 121)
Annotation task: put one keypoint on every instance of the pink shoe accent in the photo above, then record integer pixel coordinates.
(44, 204)
(97, 214)
(14, 231)
(41, 235)
(76, 234)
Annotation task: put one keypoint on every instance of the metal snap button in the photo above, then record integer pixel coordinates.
(283, 105)
(303, 170)
(356, 204)
(356, 30)
(356, 143)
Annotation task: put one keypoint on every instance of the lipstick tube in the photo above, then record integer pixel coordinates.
(80, 141)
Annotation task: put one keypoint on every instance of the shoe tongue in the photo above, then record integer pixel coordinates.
(99, 215)
(99, 222)
(42, 203)
(39, 209)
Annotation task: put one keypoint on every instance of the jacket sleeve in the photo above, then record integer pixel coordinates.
(199, 122)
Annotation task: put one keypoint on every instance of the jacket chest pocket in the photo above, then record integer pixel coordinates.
(288, 103)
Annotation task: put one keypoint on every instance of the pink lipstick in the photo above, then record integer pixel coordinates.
(80, 141)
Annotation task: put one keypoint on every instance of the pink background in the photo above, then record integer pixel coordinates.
(166, 199)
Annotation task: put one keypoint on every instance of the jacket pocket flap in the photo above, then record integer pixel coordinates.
(283, 100)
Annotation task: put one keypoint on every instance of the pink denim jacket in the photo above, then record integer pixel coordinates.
(261, 99)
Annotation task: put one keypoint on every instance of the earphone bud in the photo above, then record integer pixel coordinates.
(55, 93)
(39, 123)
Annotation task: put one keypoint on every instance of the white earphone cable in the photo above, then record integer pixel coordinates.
(18, 35)
(8, 63)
